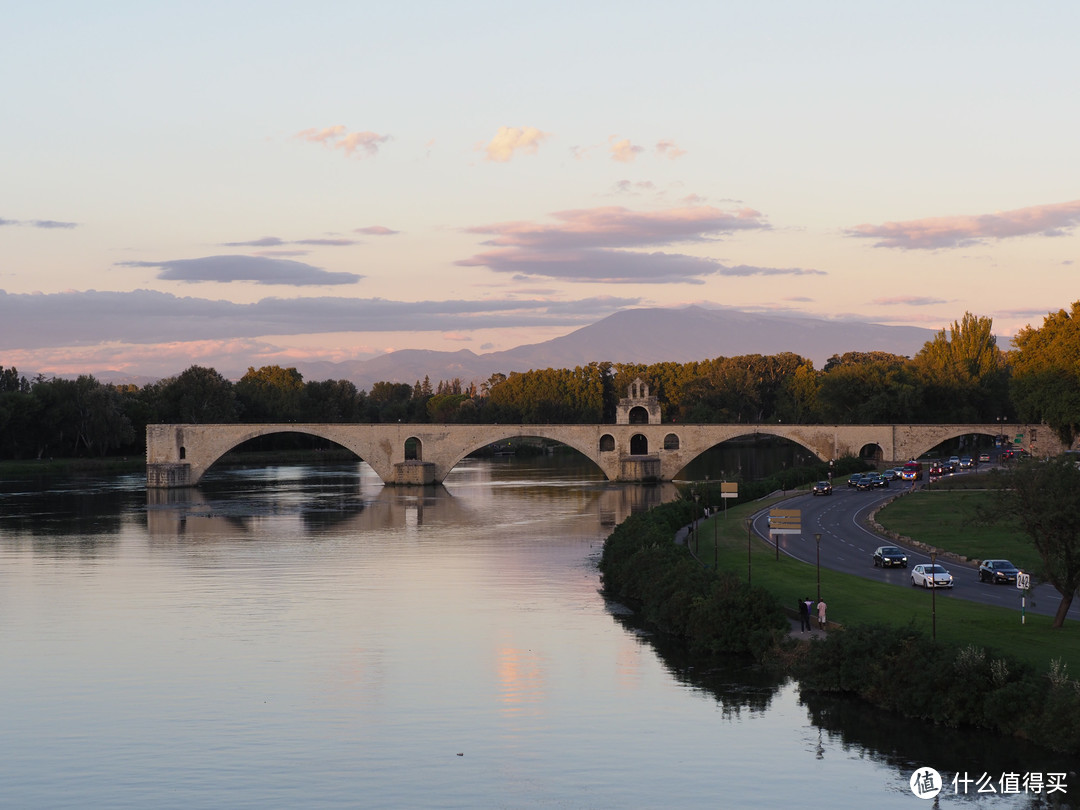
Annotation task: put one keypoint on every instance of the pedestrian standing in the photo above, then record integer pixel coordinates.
(804, 616)
(809, 613)
(821, 614)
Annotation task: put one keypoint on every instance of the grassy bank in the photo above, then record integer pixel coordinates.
(854, 600)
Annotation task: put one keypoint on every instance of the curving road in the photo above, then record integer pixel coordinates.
(848, 546)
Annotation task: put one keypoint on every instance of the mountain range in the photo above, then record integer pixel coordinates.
(638, 336)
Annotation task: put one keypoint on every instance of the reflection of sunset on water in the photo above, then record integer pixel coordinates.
(522, 684)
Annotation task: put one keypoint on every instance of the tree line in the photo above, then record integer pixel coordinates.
(959, 376)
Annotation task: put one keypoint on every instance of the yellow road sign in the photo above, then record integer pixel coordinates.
(785, 521)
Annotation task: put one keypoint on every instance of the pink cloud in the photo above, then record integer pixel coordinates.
(510, 140)
(669, 150)
(619, 227)
(375, 230)
(338, 137)
(597, 244)
(624, 151)
(956, 231)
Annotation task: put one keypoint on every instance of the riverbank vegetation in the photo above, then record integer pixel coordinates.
(942, 660)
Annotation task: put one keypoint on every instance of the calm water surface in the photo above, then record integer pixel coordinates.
(304, 637)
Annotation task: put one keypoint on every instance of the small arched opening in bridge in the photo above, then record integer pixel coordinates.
(183, 453)
(639, 445)
(639, 416)
(607, 443)
(671, 442)
(871, 453)
(414, 449)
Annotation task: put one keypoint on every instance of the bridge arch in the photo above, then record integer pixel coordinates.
(446, 462)
(872, 452)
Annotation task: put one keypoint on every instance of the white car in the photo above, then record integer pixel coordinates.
(931, 575)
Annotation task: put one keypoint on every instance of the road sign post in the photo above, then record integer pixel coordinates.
(1023, 583)
(784, 521)
(728, 490)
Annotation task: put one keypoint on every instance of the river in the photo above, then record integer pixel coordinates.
(301, 636)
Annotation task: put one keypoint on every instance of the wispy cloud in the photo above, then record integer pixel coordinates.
(259, 269)
(633, 188)
(146, 316)
(47, 224)
(375, 230)
(957, 231)
(909, 300)
(274, 241)
(509, 141)
(669, 150)
(338, 137)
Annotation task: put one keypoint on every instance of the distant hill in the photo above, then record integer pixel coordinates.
(640, 336)
(631, 336)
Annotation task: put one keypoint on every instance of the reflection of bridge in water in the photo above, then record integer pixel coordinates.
(358, 503)
(179, 455)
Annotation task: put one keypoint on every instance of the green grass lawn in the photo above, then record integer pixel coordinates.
(856, 600)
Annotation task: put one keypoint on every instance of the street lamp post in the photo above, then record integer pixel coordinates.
(817, 538)
(933, 596)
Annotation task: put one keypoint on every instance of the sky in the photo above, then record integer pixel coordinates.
(238, 184)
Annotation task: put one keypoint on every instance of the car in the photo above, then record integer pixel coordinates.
(931, 575)
(854, 479)
(821, 488)
(948, 467)
(868, 481)
(954, 461)
(984, 458)
(891, 475)
(937, 468)
(890, 556)
(966, 463)
(997, 571)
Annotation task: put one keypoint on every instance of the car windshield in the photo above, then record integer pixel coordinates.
(891, 550)
(935, 569)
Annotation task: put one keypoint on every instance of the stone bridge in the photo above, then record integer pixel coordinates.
(179, 455)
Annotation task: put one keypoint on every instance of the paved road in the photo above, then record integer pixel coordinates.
(848, 546)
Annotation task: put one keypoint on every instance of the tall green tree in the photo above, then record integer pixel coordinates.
(1042, 496)
(868, 387)
(963, 373)
(271, 394)
(198, 395)
(1045, 363)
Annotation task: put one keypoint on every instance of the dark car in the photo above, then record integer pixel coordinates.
(822, 488)
(937, 468)
(867, 481)
(997, 571)
(889, 556)
(854, 479)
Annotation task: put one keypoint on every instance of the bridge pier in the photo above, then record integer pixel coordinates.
(413, 473)
(168, 476)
